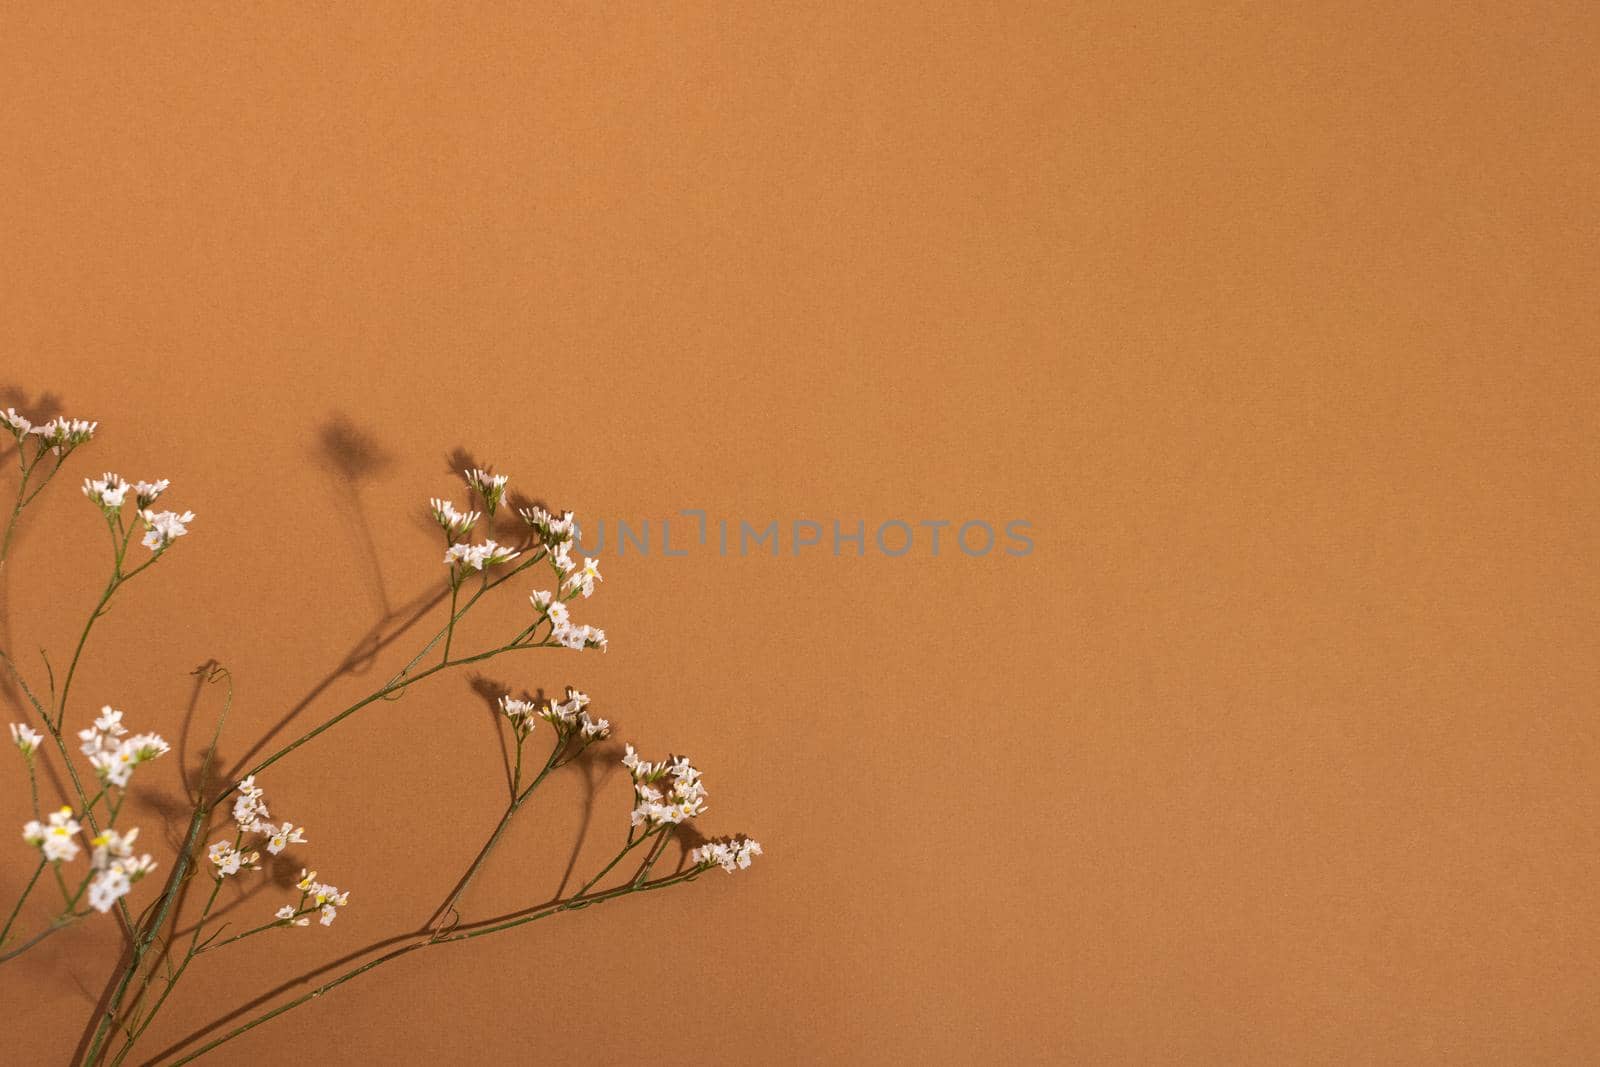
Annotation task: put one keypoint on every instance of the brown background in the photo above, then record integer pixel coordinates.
(1279, 327)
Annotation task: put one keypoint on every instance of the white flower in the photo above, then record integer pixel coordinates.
(552, 531)
(454, 523)
(62, 435)
(248, 807)
(111, 845)
(114, 761)
(281, 837)
(117, 868)
(729, 855)
(110, 721)
(163, 528)
(477, 557)
(586, 576)
(541, 600)
(561, 556)
(108, 491)
(25, 737)
(145, 493)
(558, 613)
(521, 712)
(593, 729)
(289, 914)
(492, 487)
(108, 886)
(18, 425)
(58, 839)
(641, 770)
(685, 800)
(146, 747)
(559, 714)
(230, 860)
(579, 637)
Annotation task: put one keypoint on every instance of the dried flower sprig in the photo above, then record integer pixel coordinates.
(667, 793)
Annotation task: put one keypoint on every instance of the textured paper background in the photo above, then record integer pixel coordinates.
(1280, 327)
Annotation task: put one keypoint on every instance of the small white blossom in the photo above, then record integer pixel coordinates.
(729, 855)
(685, 800)
(281, 837)
(586, 576)
(19, 426)
(492, 487)
(230, 860)
(454, 523)
(248, 807)
(163, 528)
(107, 887)
(522, 713)
(25, 737)
(109, 491)
(551, 530)
(477, 557)
(110, 721)
(145, 493)
(117, 868)
(61, 435)
(114, 760)
(579, 637)
(593, 729)
(319, 896)
(558, 613)
(58, 839)
(289, 914)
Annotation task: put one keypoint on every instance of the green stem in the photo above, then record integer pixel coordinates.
(500, 828)
(56, 926)
(450, 627)
(37, 871)
(401, 682)
(569, 904)
(135, 1031)
(83, 638)
(22, 500)
(145, 934)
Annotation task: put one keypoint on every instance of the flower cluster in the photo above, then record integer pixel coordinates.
(729, 855)
(110, 492)
(454, 523)
(113, 753)
(250, 816)
(552, 531)
(491, 487)
(522, 714)
(58, 435)
(314, 896)
(230, 859)
(459, 555)
(557, 535)
(163, 527)
(25, 737)
(57, 839)
(116, 868)
(566, 632)
(685, 799)
(466, 557)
